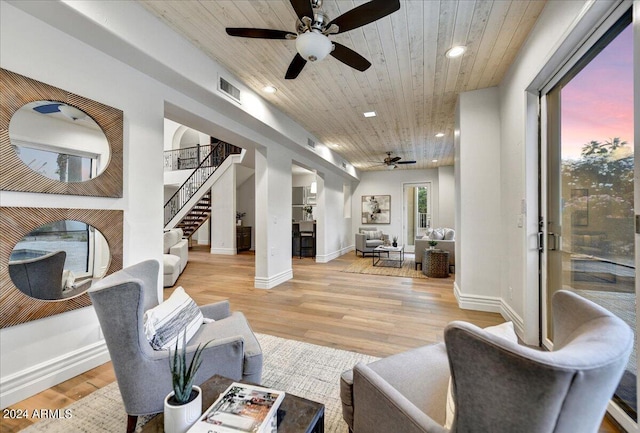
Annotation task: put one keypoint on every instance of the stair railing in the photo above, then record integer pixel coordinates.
(200, 175)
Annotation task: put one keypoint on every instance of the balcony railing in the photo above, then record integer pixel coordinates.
(424, 221)
(187, 158)
(203, 171)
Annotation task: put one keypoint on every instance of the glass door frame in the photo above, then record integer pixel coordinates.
(547, 129)
(405, 212)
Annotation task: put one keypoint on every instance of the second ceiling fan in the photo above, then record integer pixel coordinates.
(313, 28)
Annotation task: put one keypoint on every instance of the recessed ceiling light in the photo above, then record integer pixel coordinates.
(269, 89)
(434, 160)
(440, 134)
(370, 114)
(456, 51)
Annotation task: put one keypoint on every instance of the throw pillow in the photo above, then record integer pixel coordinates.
(504, 330)
(165, 323)
(372, 234)
(449, 234)
(437, 234)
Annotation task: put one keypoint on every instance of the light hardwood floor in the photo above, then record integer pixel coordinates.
(365, 313)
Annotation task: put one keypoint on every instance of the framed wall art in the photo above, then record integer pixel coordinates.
(376, 209)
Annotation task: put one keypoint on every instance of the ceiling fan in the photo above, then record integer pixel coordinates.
(392, 162)
(313, 28)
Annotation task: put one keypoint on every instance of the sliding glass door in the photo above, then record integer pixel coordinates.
(589, 240)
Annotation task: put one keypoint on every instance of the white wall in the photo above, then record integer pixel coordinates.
(246, 202)
(389, 182)
(38, 354)
(518, 162)
(223, 212)
(478, 222)
(446, 196)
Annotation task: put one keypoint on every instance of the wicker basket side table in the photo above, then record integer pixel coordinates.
(435, 263)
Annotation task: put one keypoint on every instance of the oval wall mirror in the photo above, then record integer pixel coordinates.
(59, 260)
(59, 141)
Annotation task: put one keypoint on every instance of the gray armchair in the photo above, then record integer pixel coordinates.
(498, 386)
(42, 277)
(366, 243)
(143, 375)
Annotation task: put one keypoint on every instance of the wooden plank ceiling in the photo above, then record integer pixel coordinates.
(411, 85)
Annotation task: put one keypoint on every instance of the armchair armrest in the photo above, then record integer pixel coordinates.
(360, 241)
(216, 311)
(382, 409)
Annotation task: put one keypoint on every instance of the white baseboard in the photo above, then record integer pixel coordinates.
(272, 281)
(491, 304)
(325, 258)
(510, 315)
(224, 251)
(23, 384)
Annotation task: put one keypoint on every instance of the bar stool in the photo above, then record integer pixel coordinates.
(307, 237)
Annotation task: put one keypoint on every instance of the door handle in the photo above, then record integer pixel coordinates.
(553, 241)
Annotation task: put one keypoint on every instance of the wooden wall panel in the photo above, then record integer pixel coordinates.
(15, 223)
(17, 90)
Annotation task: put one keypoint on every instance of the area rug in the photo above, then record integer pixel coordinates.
(303, 369)
(364, 265)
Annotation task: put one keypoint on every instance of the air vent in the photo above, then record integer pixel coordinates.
(311, 143)
(232, 91)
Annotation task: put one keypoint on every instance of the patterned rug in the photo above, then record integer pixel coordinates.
(303, 369)
(364, 265)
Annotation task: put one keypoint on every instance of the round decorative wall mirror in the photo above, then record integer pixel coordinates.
(59, 260)
(59, 141)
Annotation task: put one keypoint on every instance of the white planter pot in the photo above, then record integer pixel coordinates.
(178, 419)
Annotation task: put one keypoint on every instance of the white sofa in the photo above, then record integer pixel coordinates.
(176, 255)
(445, 237)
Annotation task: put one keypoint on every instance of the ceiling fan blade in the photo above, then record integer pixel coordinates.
(365, 14)
(244, 32)
(303, 8)
(395, 159)
(295, 67)
(349, 57)
(405, 162)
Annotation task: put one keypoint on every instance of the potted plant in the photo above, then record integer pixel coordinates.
(432, 244)
(183, 405)
(395, 241)
(239, 216)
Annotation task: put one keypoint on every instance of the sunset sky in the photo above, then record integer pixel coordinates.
(598, 103)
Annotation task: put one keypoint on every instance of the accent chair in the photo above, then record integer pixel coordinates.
(143, 374)
(497, 385)
(368, 238)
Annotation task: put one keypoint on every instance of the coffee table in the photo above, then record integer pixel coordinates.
(295, 414)
(389, 261)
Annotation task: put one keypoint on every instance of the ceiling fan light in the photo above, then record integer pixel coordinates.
(313, 46)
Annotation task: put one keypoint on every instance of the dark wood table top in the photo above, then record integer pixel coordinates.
(295, 414)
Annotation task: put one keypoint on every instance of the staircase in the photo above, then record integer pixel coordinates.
(195, 192)
(198, 215)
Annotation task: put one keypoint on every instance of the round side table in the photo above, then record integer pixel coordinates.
(435, 263)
